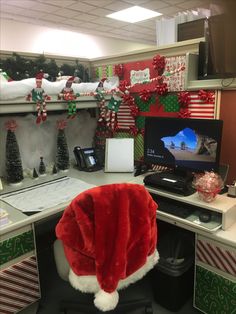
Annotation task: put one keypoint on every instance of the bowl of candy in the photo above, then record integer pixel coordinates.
(208, 185)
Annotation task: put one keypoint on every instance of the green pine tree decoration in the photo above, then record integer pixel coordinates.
(14, 170)
(35, 174)
(62, 148)
(101, 134)
(42, 167)
(54, 169)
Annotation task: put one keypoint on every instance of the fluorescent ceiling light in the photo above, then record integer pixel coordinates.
(134, 14)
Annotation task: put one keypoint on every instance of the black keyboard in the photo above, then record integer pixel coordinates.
(173, 207)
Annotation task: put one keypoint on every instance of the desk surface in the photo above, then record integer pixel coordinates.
(19, 219)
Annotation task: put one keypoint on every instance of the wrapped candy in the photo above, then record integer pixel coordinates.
(208, 185)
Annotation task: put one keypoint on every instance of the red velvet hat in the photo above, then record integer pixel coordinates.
(109, 235)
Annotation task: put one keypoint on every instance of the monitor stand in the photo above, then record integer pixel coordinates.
(176, 181)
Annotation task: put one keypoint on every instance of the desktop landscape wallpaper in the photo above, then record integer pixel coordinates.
(190, 146)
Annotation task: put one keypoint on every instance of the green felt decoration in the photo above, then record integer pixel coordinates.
(170, 103)
(114, 104)
(214, 294)
(109, 70)
(16, 246)
(140, 122)
(138, 147)
(144, 106)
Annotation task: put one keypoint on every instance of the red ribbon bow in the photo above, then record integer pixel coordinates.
(61, 124)
(145, 95)
(184, 113)
(133, 130)
(206, 96)
(162, 89)
(183, 98)
(159, 63)
(134, 110)
(123, 85)
(11, 125)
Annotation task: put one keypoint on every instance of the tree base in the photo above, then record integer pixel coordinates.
(15, 184)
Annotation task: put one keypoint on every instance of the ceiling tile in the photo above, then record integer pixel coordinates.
(137, 2)
(169, 10)
(132, 28)
(102, 12)
(8, 9)
(89, 25)
(17, 3)
(82, 7)
(59, 3)
(43, 7)
(53, 18)
(175, 2)
(148, 24)
(103, 21)
(100, 3)
(84, 17)
(155, 5)
(118, 5)
(66, 13)
(191, 4)
(73, 22)
(34, 14)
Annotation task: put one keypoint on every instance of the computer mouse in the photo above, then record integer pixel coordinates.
(205, 216)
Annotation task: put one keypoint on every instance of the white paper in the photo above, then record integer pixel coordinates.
(119, 155)
(46, 195)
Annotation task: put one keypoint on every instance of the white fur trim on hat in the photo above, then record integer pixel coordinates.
(108, 301)
(105, 301)
(88, 284)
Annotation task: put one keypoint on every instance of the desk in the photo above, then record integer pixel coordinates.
(208, 262)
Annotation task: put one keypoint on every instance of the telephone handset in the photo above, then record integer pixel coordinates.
(86, 159)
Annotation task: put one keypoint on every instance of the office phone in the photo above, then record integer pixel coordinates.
(86, 159)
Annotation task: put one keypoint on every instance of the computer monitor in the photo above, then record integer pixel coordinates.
(188, 145)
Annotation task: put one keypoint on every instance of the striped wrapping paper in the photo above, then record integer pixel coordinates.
(124, 118)
(19, 286)
(200, 109)
(217, 257)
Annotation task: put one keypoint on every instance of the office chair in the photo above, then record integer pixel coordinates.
(106, 240)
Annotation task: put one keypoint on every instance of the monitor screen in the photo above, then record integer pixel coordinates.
(186, 144)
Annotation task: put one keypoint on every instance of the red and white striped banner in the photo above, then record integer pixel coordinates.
(19, 286)
(201, 109)
(124, 118)
(217, 257)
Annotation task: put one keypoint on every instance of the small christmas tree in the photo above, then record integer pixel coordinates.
(14, 170)
(101, 134)
(35, 174)
(54, 169)
(62, 148)
(42, 168)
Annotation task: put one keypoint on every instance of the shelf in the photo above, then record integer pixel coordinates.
(21, 106)
(192, 82)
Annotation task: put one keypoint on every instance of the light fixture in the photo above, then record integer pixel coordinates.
(133, 14)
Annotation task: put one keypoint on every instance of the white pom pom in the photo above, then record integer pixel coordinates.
(105, 301)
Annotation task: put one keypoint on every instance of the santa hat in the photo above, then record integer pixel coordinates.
(71, 79)
(39, 76)
(109, 236)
